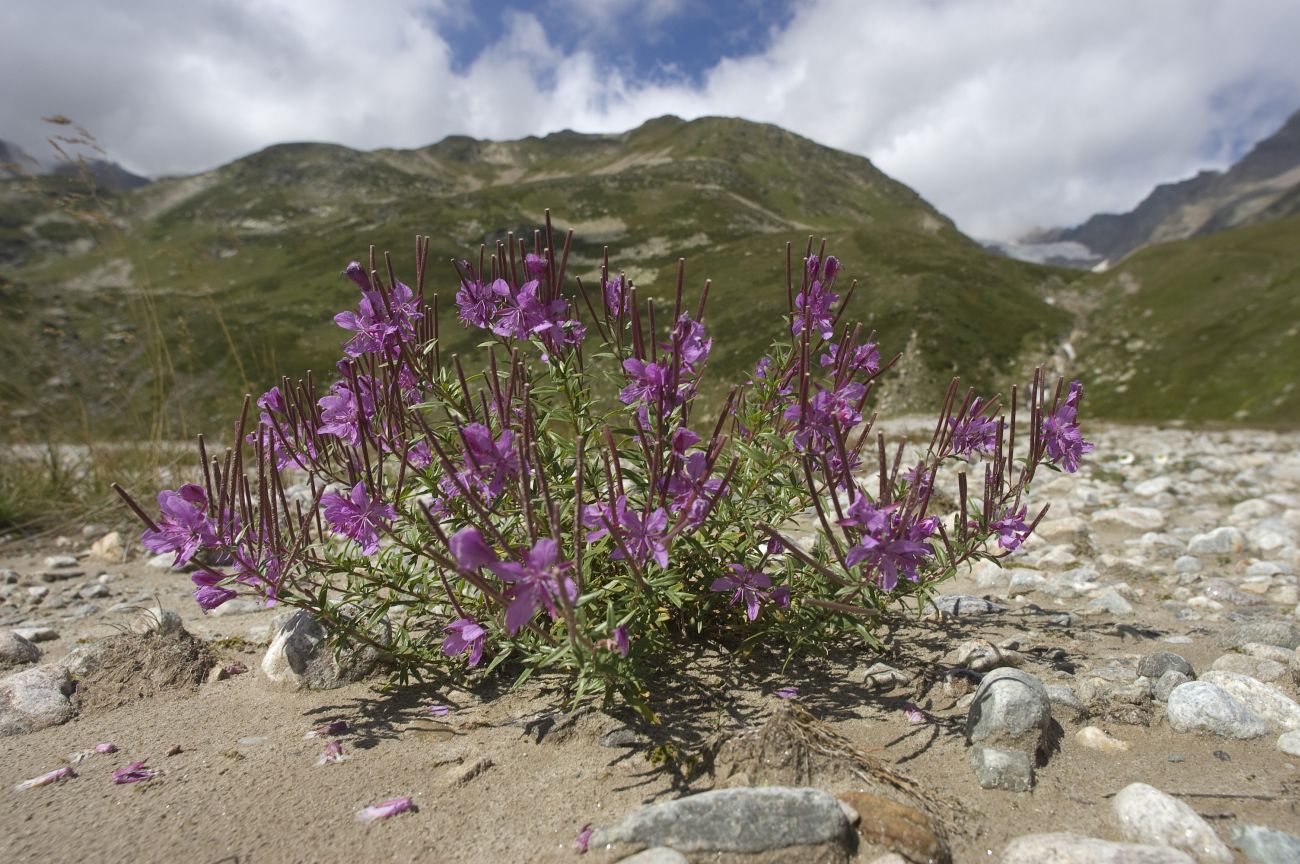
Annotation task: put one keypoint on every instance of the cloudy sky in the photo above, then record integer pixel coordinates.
(1006, 115)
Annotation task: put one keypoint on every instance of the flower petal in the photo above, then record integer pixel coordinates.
(384, 809)
(46, 779)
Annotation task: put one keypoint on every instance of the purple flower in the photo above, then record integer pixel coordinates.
(693, 348)
(584, 837)
(889, 547)
(919, 476)
(615, 297)
(746, 585)
(46, 779)
(645, 539)
(1061, 436)
(521, 313)
(184, 527)
(788, 692)
(692, 488)
(135, 772)
(489, 463)
(380, 322)
(439, 710)
(333, 754)
(622, 644)
(342, 411)
(536, 581)
(106, 747)
(814, 309)
(359, 517)
(337, 727)
(470, 550)
(535, 265)
(465, 634)
(1011, 529)
(384, 809)
(864, 358)
(974, 434)
(480, 303)
(828, 411)
(648, 385)
(913, 714)
(208, 594)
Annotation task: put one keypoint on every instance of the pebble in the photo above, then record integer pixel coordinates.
(1094, 738)
(1135, 519)
(1255, 667)
(1006, 723)
(745, 820)
(1187, 564)
(1147, 815)
(1289, 743)
(1201, 706)
(1279, 633)
(885, 824)
(109, 548)
(1224, 540)
(963, 605)
(155, 620)
(980, 655)
(300, 656)
(1263, 845)
(37, 634)
(55, 562)
(1270, 703)
(882, 676)
(656, 855)
(1061, 695)
(1166, 683)
(34, 699)
(15, 650)
(1069, 848)
(1110, 601)
(1157, 663)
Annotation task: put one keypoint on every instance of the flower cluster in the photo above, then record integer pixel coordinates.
(561, 506)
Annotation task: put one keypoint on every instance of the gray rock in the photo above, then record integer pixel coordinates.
(59, 562)
(1153, 487)
(156, 620)
(34, 699)
(61, 575)
(8, 577)
(963, 605)
(1109, 600)
(1264, 845)
(1200, 706)
(1011, 711)
(93, 591)
(1067, 848)
(1278, 709)
(300, 656)
(1133, 519)
(83, 659)
(1062, 695)
(656, 855)
(744, 820)
(1187, 564)
(15, 650)
(37, 634)
(1010, 770)
(1294, 668)
(1147, 815)
(1289, 743)
(1256, 667)
(109, 548)
(1166, 683)
(1225, 540)
(980, 654)
(1157, 663)
(238, 606)
(882, 676)
(1282, 633)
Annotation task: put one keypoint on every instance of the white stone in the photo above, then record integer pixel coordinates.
(1270, 703)
(1154, 486)
(1187, 564)
(1095, 739)
(1289, 743)
(1224, 540)
(1069, 848)
(1134, 519)
(109, 547)
(1147, 815)
(1202, 706)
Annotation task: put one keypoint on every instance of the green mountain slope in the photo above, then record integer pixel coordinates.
(1201, 329)
(139, 327)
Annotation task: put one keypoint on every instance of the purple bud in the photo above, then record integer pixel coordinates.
(832, 267)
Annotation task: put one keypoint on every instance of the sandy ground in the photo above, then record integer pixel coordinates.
(513, 776)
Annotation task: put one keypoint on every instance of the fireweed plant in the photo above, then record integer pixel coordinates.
(555, 501)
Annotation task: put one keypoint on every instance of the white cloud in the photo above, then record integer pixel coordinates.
(1005, 115)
